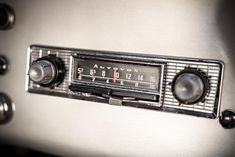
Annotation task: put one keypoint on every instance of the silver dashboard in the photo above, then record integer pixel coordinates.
(69, 127)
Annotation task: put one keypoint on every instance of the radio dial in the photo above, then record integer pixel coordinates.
(190, 86)
(47, 71)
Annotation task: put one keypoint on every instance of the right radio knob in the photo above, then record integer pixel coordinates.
(190, 86)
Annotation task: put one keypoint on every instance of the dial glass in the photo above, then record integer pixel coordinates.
(109, 73)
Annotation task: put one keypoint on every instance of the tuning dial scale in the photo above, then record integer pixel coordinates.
(47, 71)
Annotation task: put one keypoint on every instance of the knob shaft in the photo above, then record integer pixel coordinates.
(6, 109)
(190, 86)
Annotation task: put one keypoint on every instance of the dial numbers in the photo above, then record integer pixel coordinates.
(119, 74)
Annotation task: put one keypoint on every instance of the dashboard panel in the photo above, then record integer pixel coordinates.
(195, 31)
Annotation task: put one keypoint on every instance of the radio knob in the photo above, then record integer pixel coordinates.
(42, 72)
(47, 71)
(6, 109)
(190, 86)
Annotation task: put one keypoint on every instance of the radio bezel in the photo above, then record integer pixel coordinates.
(69, 53)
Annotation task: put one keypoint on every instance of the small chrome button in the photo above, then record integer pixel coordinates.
(7, 17)
(189, 86)
(227, 119)
(6, 109)
(3, 65)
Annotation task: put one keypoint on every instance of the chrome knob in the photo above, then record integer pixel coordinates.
(227, 119)
(189, 86)
(42, 72)
(7, 17)
(6, 109)
(3, 65)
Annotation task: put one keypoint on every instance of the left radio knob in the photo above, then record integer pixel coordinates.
(47, 71)
(42, 72)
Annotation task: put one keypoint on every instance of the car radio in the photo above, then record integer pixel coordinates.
(173, 84)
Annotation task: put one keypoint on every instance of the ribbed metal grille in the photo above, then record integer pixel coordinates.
(212, 71)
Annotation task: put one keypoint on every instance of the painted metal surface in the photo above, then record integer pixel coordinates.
(67, 127)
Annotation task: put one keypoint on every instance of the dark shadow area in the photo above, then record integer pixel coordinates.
(225, 19)
(8, 150)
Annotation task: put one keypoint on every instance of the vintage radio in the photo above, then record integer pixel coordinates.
(174, 84)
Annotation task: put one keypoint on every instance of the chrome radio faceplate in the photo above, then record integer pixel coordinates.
(180, 85)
